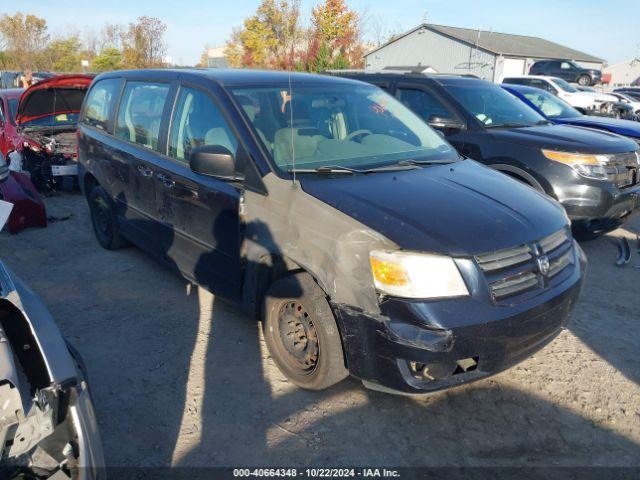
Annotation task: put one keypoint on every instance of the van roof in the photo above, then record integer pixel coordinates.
(441, 78)
(229, 77)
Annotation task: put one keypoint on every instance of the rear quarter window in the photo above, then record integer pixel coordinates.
(100, 102)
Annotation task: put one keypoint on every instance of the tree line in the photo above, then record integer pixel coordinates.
(276, 36)
(26, 45)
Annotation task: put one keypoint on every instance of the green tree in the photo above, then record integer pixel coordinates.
(269, 39)
(64, 55)
(143, 43)
(24, 39)
(109, 59)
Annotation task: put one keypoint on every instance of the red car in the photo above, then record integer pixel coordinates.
(28, 209)
(9, 136)
(38, 144)
(47, 119)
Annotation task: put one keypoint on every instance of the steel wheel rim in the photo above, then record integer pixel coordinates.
(297, 337)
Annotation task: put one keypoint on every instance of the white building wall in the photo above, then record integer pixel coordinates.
(427, 48)
(623, 73)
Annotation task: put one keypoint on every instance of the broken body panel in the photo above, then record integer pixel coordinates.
(47, 122)
(47, 423)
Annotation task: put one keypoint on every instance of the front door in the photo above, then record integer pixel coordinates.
(200, 213)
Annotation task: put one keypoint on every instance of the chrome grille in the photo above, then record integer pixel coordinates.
(531, 267)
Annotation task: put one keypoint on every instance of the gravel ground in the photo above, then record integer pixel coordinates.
(180, 378)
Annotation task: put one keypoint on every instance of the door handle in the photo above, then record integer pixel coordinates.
(145, 171)
(166, 181)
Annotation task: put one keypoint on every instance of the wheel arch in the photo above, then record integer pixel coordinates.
(521, 175)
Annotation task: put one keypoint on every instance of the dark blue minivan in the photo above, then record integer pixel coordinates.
(358, 236)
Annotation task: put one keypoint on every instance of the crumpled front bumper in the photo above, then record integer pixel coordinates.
(448, 336)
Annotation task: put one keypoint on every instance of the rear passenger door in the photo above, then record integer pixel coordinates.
(200, 212)
(142, 115)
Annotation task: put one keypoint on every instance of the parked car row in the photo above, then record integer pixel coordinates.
(593, 174)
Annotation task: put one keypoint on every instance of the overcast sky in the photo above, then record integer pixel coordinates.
(608, 29)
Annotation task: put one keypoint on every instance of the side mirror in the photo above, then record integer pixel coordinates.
(213, 161)
(440, 123)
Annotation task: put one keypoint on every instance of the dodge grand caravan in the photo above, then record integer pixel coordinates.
(333, 213)
(595, 175)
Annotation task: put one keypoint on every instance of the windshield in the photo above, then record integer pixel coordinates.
(552, 106)
(566, 86)
(13, 108)
(338, 125)
(62, 119)
(495, 107)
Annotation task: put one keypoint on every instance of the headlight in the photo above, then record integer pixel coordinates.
(416, 275)
(591, 166)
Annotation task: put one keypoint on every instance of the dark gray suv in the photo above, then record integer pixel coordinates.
(567, 70)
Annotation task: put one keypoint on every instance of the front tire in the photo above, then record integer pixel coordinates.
(584, 81)
(103, 219)
(301, 333)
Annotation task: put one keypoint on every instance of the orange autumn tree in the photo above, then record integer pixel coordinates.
(335, 37)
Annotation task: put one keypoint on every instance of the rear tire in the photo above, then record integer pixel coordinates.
(584, 80)
(103, 219)
(301, 333)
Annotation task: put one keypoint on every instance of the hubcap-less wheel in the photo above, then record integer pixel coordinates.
(101, 218)
(298, 336)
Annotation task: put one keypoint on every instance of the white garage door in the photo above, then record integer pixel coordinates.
(512, 67)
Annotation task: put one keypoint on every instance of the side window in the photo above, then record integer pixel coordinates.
(565, 66)
(140, 113)
(197, 121)
(423, 103)
(99, 103)
(2, 116)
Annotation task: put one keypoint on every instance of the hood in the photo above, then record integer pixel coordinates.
(621, 127)
(603, 97)
(565, 138)
(460, 209)
(62, 94)
(578, 99)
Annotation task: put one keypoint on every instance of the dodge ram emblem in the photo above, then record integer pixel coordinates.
(543, 265)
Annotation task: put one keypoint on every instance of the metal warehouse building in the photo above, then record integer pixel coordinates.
(487, 54)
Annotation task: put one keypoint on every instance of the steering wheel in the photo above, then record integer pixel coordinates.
(358, 133)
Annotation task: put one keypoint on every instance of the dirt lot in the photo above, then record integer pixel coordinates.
(180, 378)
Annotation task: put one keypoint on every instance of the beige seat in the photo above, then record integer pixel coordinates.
(299, 136)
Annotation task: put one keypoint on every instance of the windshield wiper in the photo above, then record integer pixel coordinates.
(326, 169)
(544, 122)
(424, 162)
(508, 125)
